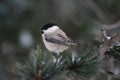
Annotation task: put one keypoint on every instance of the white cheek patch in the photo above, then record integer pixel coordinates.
(52, 29)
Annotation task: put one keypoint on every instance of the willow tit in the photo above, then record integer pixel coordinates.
(55, 39)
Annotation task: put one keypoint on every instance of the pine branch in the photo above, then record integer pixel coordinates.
(84, 65)
(38, 64)
(42, 65)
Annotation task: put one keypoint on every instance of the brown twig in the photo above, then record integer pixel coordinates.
(111, 26)
(109, 43)
(112, 74)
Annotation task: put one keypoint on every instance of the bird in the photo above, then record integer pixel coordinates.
(55, 39)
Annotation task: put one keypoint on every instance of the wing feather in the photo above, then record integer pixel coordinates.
(55, 39)
(59, 38)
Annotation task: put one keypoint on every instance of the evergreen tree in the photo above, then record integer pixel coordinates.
(88, 64)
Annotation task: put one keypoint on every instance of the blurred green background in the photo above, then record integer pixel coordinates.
(21, 21)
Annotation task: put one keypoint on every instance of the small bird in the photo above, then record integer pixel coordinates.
(55, 39)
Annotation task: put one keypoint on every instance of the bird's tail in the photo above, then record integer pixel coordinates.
(71, 42)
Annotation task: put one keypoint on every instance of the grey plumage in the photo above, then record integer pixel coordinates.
(55, 39)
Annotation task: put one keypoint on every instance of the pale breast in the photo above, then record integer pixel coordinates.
(54, 47)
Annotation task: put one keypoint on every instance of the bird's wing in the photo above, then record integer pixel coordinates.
(56, 39)
(65, 38)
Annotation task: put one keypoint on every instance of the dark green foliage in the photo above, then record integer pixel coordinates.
(84, 65)
(114, 52)
(40, 62)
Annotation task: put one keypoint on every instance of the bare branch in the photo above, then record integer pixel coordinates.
(109, 43)
(112, 74)
(111, 26)
(105, 34)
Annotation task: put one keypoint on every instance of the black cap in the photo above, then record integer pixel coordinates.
(45, 27)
